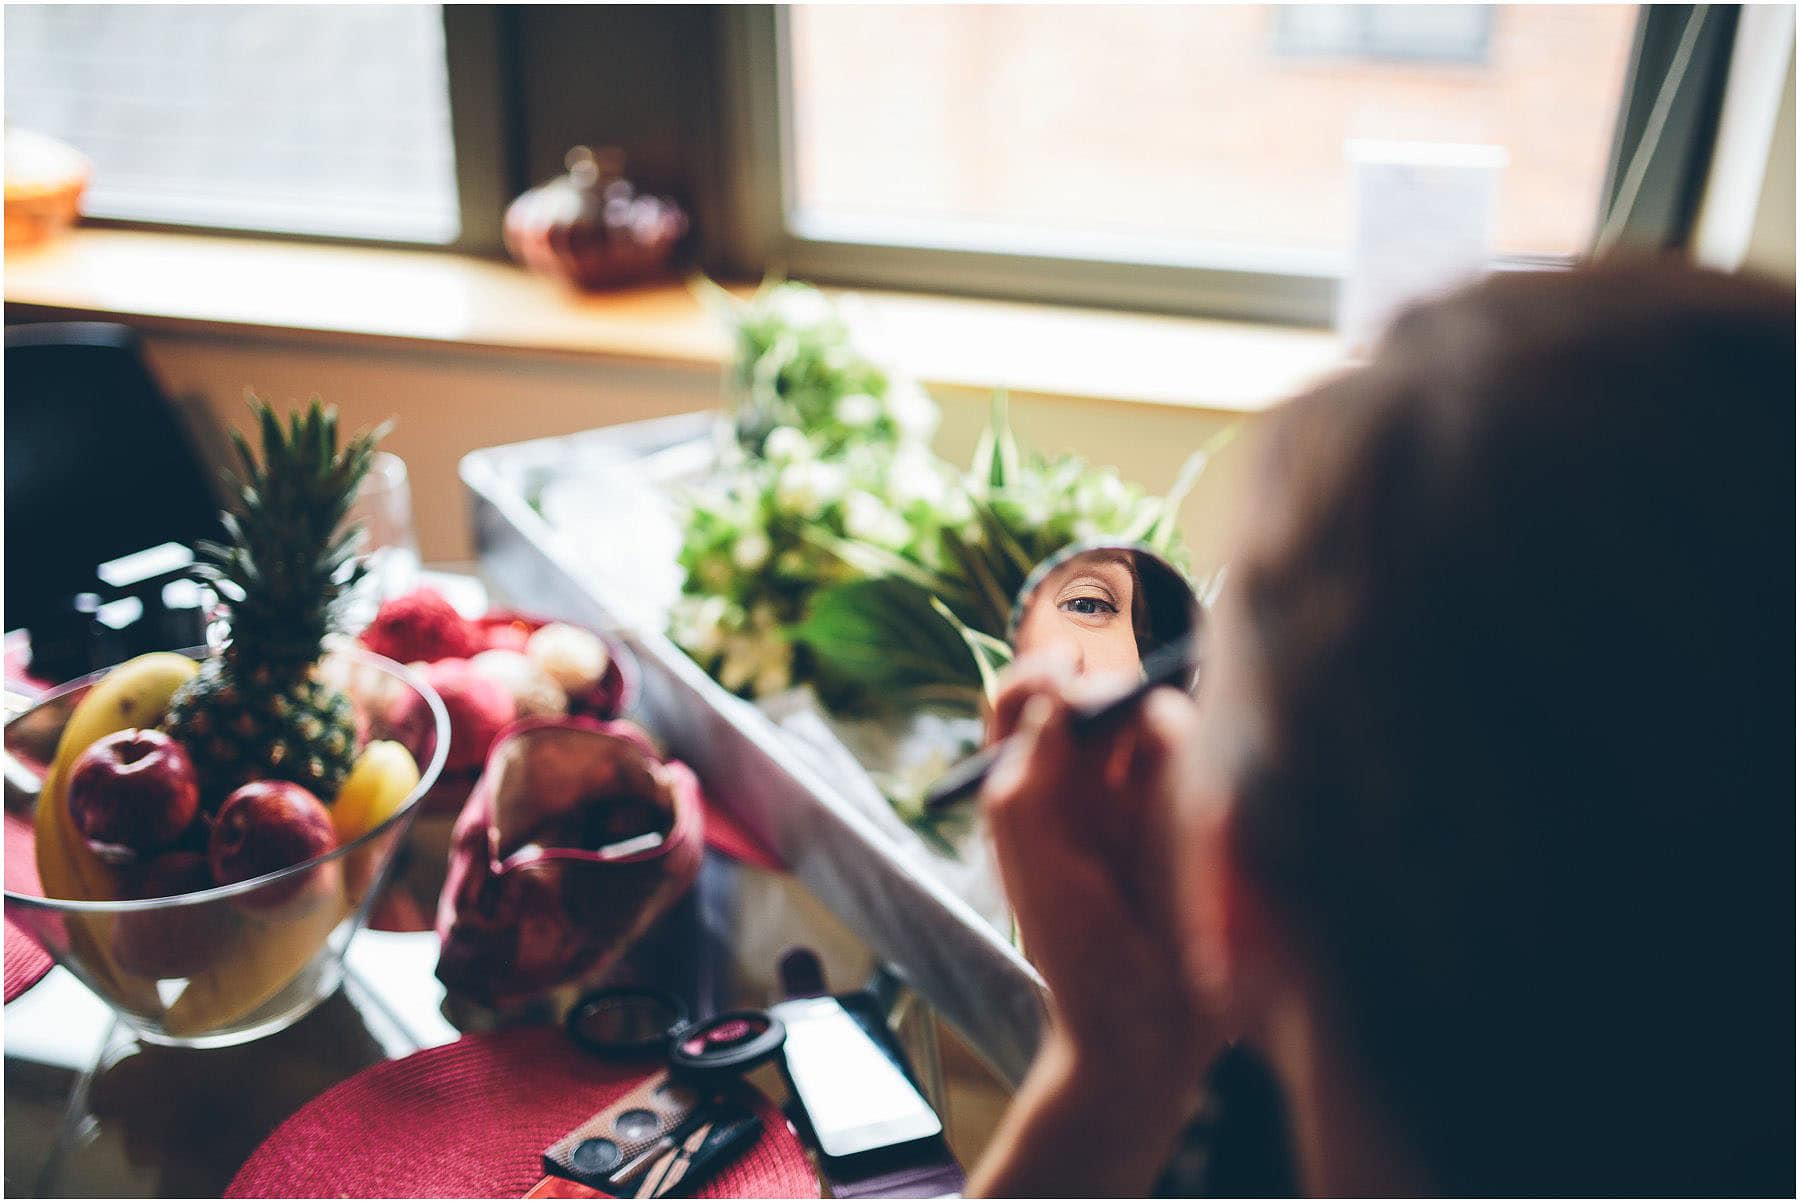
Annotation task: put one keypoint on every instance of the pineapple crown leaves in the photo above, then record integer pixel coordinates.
(285, 563)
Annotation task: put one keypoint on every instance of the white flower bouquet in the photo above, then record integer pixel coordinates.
(832, 549)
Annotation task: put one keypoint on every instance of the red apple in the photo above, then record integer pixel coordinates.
(265, 826)
(132, 794)
(478, 709)
(173, 941)
(169, 876)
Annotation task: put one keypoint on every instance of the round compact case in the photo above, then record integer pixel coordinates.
(573, 842)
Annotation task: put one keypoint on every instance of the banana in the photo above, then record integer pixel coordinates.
(135, 694)
(269, 953)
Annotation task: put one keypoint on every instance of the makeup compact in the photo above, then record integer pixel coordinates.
(651, 1128)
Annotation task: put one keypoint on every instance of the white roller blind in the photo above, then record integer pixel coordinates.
(318, 119)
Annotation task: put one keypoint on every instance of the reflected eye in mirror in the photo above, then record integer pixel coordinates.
(1090, 607)
(1107, 605)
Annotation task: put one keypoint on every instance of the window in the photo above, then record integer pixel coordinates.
(314, 119)
(1440, 33)
(1181, 126)
(1186, 158)
(1192, 157)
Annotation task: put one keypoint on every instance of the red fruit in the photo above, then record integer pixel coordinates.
(132, 794)
(265, 826)
(169, 876)
(175, 941)
(507, 636)
(479, 708)
(421, 626)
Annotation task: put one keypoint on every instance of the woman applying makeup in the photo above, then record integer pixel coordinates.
(1478, 834)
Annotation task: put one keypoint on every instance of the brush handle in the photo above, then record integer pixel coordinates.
(706, 1151)
(964, 778)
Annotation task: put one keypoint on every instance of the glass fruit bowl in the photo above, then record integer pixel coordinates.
(230, 964)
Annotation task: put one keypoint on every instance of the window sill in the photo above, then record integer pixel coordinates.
(435, 299)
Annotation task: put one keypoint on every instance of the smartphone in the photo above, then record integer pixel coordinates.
(849, 1080)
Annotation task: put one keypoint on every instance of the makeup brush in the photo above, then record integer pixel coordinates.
(1167, 665)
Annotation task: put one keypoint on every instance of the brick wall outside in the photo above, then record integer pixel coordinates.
(1185, 121)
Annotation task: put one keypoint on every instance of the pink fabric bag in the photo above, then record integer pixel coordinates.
(555, 865)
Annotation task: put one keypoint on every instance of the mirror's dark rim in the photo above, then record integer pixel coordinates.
(588, 1003)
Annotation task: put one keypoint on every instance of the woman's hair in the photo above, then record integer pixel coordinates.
(1143, 626)
(1520, 596)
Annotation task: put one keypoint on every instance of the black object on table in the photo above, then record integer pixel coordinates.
(98, 464)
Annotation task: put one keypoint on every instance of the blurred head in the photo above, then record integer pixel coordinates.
(1500, 695)
(1093, 606)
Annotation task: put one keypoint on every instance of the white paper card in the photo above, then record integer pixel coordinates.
(1424, 224)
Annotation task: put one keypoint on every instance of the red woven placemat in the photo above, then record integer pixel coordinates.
(471, 1120)
(26, 960)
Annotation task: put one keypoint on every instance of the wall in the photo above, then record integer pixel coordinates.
(1771, 245)
(450, 402)
(1746, 213)
(447, 403)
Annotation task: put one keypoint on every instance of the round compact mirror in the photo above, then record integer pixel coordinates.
(1112, 606)
(1117, 609)
(630, 1023)
(732, 1043)
(626, 1023)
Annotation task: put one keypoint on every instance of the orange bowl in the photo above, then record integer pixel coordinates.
(45, 181)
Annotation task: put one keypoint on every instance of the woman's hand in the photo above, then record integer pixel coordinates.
(1083, 827)
(1084, 833)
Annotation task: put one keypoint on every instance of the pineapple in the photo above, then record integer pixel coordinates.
(258, 709)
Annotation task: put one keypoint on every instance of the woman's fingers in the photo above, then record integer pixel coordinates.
(1163, 730)
(1095, 777)
(1034, 765)
(1047, 670)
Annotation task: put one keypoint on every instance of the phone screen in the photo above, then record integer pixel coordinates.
(854, 1094)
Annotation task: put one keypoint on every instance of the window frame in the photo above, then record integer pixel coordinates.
(1659, 214)
(1287, 44)
(762, 237)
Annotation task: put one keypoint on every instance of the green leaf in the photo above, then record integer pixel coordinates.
(1006, 446)
(1162, 532)
(993, 600)
(878, 562)
(996, 463)
(991, 655)
(1002, 538)
(718, 301)
(881, 636)
(1209, 592)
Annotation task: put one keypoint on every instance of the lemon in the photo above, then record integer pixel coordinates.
(378, 783)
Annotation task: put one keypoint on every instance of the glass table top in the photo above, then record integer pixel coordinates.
(90, 1111)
